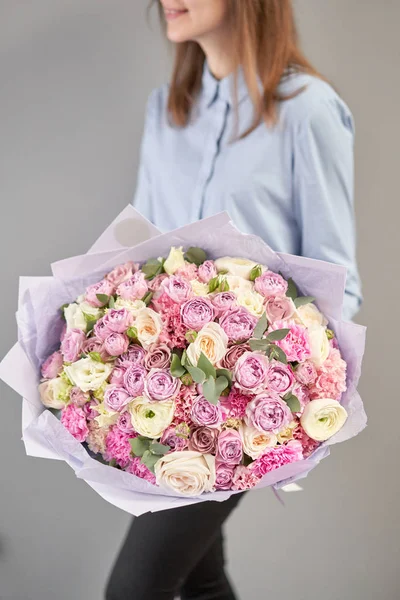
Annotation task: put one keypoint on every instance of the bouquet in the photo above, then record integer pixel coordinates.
(172, 369)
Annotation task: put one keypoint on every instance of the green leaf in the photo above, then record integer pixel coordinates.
(147, 298)
(90, 324)
(185, 362)
(150, 460)
(292, 289)
(160, 449)
(225, 373)
(103, 298)
(206, 366)
(111, 302)
(195, 255)
(277, 335)
(293, 402)
(152, 268)
(95, 356)
(209, 391)
(261, 326)
(62, 308)
(177, 370)
(197, 374)
(139, 445)
(330, 334)
(255, 272)
(302, 300)
(221, 383)
(213, 284)
(258, 345)
(274, 352)
(132, 333)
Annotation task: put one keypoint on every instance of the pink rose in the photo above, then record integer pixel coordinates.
(116, 398)
(116, 344)
(280, 377)
(177, 288)
(232, 356)
(101, 330)
(279, 308)
(134, 288)
(224, 474)
(155, 284)
(160, 385)
(205, 413)
(94, 344)
(124, 422)
(118, 321)
(134, 380)
(244, 479)
(78, 397)
(238, 324)
(134, 355)
(250, 372)
(158, 357)
(72, 344)
(302, 393)
(203, 439)
(207, 271)
(196, 313)
(270, 284)
(122, 273)
(73, 418)
(52, 366)
(222, 302)
(117, 376)
(172, 438)
(267, 412)
(102, 287)
(306, 373)
(276, 457)
(230, 447)
(296, 345)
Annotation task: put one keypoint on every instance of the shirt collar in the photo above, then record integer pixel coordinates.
(212, 88)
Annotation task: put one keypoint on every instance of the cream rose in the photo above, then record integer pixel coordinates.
(91, 311)
(74, 317)
(323, 418)
(319, 344)
(151, 418)
(149, 326)
(199, 288)
(253, 301)
(174, 261)
(239, 285)
(134, 306)
(188, 473)
(54, 393)
(309, 315)
(88, 374)
(254, 441)
(212, 341)
(236, 266)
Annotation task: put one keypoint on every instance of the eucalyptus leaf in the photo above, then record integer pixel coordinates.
(177, 370)
(225, 373)
(95, 356)
(139, 445)
(147, 298)
(152, 268)
(258, 345)
(111, 302)
(209, 391)
(90, 323)
(150, 460)
(291, 292)
(277, 335)
(185, 362)
(293, 403)
(103, 298)
(206, 366)
(261, 326)
(255, 272)
(274, 352)
(302, 300)
(195, 255)
(159, 449)
(198, 375)
(221, 383)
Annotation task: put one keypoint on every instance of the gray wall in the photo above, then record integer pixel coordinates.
(74, 78)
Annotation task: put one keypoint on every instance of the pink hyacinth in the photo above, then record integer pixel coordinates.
(296, 345)
(234, 405)
(277, 457)
(173, 334)
(331, 377)
(184, 403)
(118, 447)
(308, 444)
(74, 419)
(96, 439)
(244, 478)
(136, 467)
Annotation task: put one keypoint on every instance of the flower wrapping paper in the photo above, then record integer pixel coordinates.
(39, 326)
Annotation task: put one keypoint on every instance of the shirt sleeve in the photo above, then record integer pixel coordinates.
(323, 191)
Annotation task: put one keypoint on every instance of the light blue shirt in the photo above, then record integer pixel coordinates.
(291, 184)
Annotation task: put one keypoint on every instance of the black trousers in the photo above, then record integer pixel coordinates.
(174, 552)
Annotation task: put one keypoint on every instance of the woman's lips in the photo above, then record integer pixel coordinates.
(172, 14)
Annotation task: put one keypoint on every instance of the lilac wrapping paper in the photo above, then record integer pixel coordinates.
(39, 326)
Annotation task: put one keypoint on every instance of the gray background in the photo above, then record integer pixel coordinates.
(74, 77)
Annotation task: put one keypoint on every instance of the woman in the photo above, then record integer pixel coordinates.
(247, 125)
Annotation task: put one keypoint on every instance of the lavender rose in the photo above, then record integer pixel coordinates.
(250, 372)
(118, 321)
(207, 271)
(222, 302)
(158, 357)
(224, 475)
(117, 376)
(134, 355)
(279, 308)
(134, 380)
(160, 385)
(124, 422)
(267, 412)
(205, 413)
(102, 287)
(232, 356)
(116, 344)
(78, 397)
(196, 313)
(306, 373)
(177, 288)
(172, 438)
(134, 288)
(302, 393)
(122, 273)
(53, 365)
(95, 344)
(101, 330)
(230, 447)
(270, 284)
(238, 324)
(72, 344)
(203, 439)
(280, 377)
(116, 398)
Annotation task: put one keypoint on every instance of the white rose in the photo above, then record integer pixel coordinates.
(253, 301)
(134, 306)
(309, 315)
(149, 326)
(236, 266)
(91, 311)
(186, 472)
(319, 344)
(54, 393)
(199, 288)
(254, 441)
(151, 418)
(174, 261)
(88, 374)
(322, 418)
(212, 341)
(74, 317)
(239, 285)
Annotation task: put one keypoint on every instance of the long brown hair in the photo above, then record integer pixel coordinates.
(265, 44)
